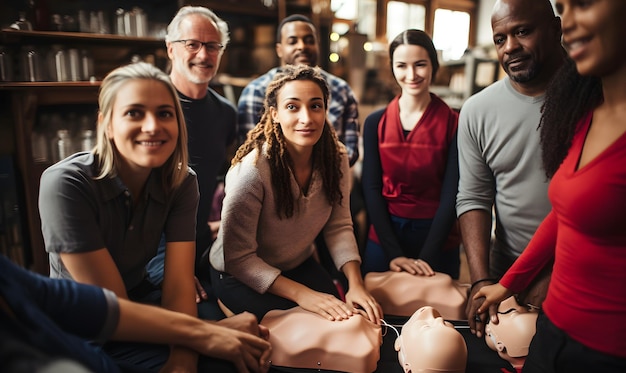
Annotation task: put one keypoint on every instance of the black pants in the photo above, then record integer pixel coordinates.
(552, 350)
(134, 357)
(239, 297)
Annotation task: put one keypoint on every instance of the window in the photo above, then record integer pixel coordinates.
(449, 22)
(402, 16)
(451, 33)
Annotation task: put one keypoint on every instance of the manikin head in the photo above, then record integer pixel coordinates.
(401, 293)
(428, 344)
(303, 339)
(511, 336)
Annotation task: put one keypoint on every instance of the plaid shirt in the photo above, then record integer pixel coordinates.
(342, 109)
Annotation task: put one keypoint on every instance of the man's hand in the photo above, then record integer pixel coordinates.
(247, 323)
(249, 353)
(475, 320)
(201, 294)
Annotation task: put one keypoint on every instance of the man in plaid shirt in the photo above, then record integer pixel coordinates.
(296, 43)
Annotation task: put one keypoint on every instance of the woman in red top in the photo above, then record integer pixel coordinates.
(410, 169)
(583, 131)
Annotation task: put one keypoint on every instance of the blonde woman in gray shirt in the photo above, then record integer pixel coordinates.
(287, 183)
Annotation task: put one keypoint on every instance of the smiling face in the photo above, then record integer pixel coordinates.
(593, 33)
(143, 126)
(298, 44)
(413, 69)
(301, 113)
(199, 67)
(526, 36)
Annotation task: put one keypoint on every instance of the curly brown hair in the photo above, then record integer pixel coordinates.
(327, 151)
(569, 96)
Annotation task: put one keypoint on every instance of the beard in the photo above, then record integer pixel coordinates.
(525, 75)
(185, 70)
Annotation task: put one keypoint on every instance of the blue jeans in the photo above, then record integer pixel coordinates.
(207, 309)
(156, 266)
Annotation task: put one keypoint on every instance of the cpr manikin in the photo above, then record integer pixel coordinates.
(428, 344)
(303, 339)
(511, 336)
(401, 293)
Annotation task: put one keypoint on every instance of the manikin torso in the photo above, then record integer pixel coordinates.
(401, 293)
(303, 339)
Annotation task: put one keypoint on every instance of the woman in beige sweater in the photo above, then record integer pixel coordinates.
(288, 182)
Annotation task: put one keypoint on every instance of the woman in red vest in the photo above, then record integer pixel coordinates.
(410, 169)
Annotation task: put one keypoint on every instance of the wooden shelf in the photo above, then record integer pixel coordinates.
(22, 101)
(17, 86)
(253, 8)
(10, 36)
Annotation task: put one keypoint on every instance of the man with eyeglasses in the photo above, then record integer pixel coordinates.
(195, 41)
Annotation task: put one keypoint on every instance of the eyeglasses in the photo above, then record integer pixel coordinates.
(194, 46)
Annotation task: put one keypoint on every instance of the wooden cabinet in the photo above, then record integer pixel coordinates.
(22, 104)
(465, 77)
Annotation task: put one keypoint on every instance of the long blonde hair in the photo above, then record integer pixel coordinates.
(175, 169)
(326, 152)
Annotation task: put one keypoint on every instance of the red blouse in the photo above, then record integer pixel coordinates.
(586, 234)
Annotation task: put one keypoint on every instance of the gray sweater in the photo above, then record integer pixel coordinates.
(254, 245)
(500, 165)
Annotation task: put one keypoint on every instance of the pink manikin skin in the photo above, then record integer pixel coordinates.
(401, 293)
(428, 344)
(303, 339)
(511, 336)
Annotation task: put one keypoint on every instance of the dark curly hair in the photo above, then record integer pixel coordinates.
(326, 152)
(569, 96)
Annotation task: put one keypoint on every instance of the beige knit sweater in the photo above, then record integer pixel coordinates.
(254, 245)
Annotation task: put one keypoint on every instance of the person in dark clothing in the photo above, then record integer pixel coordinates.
(410, 169)
(55, 325)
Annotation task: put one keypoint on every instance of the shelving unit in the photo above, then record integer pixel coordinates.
(21, 102)
(466, 77)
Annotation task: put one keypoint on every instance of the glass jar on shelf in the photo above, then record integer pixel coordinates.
(65, 144)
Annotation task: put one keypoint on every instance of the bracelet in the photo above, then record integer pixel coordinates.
(494, 280)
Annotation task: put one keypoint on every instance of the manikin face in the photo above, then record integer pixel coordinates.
(143, 127)
(301, 114)
(298, 44)
(199, 67)
(511, 336)
(412, 69)
(429, 344)
(524, 41)
(593, 33)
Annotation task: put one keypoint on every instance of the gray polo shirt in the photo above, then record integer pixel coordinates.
(81, 214)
